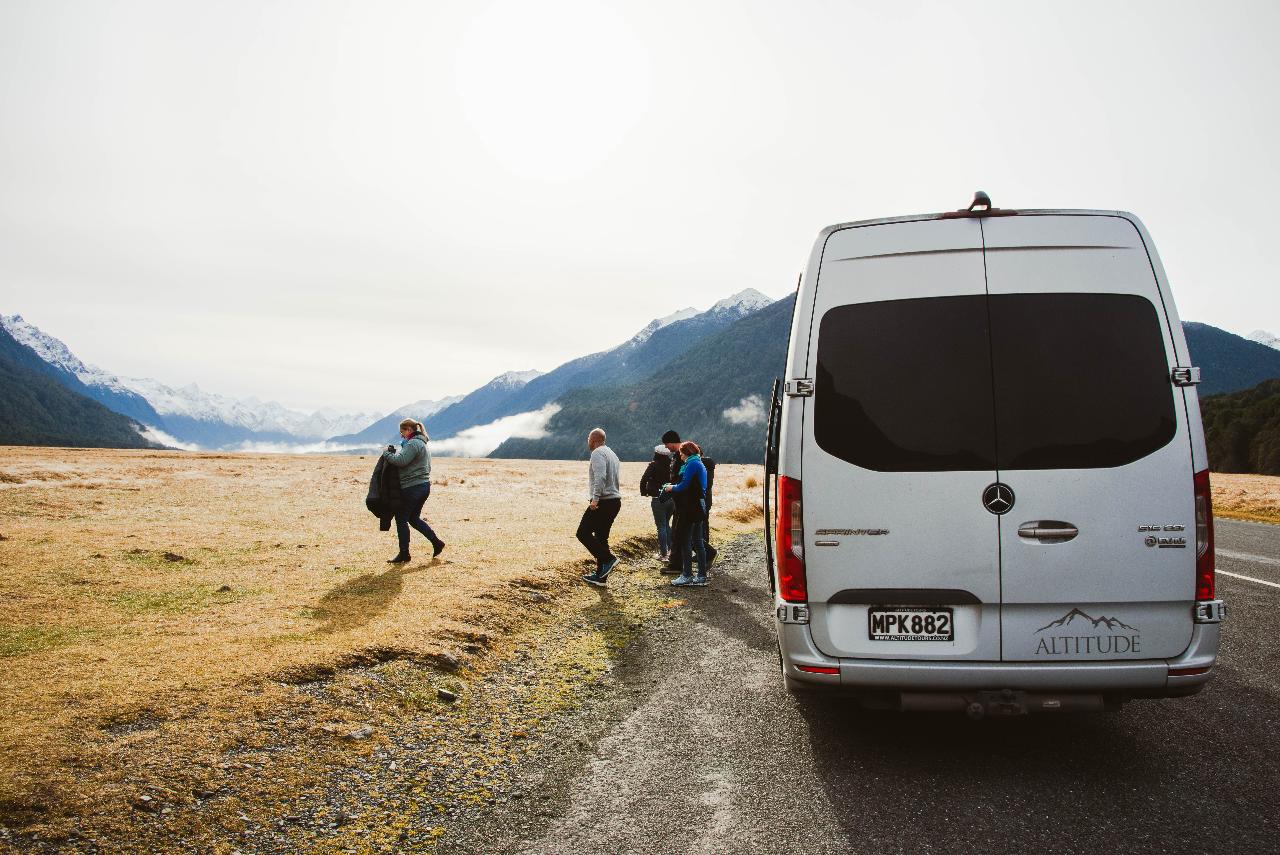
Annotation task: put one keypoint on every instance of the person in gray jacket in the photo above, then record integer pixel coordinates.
(414, 462)
(606, 502)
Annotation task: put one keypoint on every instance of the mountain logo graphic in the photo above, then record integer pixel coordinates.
(1095, 622)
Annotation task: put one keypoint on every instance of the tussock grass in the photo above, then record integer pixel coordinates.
(28, 640)
(176, 601)
(1246, 497)
(236, 668)
(747, 513)
(751, 483)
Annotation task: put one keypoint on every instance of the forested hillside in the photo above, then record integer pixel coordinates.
(714, 393)
(1229, 362)
(1243, 430)
(36, 409)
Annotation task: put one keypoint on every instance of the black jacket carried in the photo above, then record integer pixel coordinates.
(657, 473)
(384, 493)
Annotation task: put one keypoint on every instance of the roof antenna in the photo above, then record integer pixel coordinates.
(981, 202)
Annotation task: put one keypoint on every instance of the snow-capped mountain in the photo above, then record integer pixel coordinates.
(424, 408)
(252, 414)
(744, 302)
(514, 379)
(1264, 337)
(89, 380)
(188, 415)
(656, 344)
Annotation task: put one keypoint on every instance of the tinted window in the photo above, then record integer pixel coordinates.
(905, 385)
(1081, 380)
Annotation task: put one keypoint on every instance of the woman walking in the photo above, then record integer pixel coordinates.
(691, 515)
(414, 462)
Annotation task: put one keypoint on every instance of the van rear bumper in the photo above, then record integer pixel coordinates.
(1144, 678)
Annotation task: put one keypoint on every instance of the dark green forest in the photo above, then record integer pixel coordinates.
(1242, 430)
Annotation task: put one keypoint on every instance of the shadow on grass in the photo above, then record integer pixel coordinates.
(357, 601)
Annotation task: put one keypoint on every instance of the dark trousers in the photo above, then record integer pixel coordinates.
(689, 537)
(674, 562)
(594, 529)
(410, 514)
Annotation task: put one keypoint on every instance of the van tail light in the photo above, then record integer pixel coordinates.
(791, 580)
(1204, 537)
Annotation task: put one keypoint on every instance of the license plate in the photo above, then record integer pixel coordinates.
(910, 623)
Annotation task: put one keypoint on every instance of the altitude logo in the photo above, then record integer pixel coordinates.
(1078, 633)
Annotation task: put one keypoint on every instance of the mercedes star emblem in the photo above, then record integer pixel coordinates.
(998, 498)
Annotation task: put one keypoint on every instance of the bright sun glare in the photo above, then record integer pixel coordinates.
(552, 89)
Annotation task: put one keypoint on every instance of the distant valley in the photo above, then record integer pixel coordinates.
(705, 373)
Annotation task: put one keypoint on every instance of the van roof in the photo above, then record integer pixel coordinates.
(882, 221)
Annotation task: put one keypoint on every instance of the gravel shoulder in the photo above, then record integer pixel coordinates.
(692, 746)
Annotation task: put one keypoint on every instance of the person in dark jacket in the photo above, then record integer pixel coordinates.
(691, 514)
(414, 462)
(655, 475)
(712, 552)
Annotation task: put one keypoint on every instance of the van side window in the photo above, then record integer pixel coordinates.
(905, 385)
(1081, 380)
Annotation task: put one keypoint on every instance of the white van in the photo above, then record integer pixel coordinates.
(992, 493)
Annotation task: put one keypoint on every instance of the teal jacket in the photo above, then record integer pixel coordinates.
(413, 460)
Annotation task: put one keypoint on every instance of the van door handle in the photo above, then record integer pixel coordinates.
(1048, 531)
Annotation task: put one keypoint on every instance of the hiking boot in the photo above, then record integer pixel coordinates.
(682, 580)
(603, 573)
(400, 559)
(593, 579)
(437, 548)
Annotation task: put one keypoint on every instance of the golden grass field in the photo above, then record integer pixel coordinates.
(165, 618)
(1246, 497)
(162, 613)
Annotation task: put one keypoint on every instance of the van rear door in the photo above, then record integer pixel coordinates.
(1098, 550)
(898, 446)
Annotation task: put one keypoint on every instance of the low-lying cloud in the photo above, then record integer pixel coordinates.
(158, 436)
(749, 411)
(254, 447)
(480, 440)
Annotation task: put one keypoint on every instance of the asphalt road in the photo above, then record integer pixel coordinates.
(707, 754)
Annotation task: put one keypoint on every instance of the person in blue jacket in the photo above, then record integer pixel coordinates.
(691, 515)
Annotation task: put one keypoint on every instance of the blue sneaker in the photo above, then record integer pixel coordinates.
(593, 579)
(682, 580)
(699, 582)
(603, 572)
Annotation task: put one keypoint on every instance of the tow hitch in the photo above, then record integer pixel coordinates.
(1002, 703)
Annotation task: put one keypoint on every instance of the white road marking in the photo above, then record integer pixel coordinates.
(1249, 579)
(1245, 556)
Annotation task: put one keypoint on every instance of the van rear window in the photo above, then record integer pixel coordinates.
(1014, 381)
(1081, 380)
(905, 385)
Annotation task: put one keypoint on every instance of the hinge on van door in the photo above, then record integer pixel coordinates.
(1185, 376)
(799, 388)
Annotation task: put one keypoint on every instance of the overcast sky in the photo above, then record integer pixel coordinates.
(363, 204)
